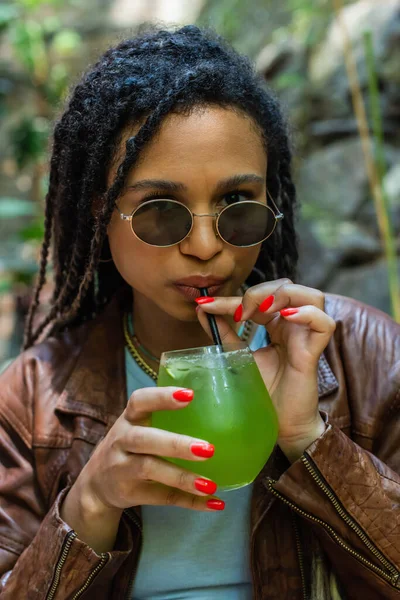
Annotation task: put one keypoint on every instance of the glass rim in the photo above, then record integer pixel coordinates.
(207, 350)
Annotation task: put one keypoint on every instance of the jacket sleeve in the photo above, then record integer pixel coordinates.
(347, 485)
(41, 557)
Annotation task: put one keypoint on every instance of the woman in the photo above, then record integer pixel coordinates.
(171, 171)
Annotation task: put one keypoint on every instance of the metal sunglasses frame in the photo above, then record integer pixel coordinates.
(278, 216)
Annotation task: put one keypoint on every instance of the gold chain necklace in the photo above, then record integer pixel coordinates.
(134, 353)
(140, 361)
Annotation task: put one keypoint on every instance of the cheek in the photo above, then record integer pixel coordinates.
(245, 260)
(135, 262)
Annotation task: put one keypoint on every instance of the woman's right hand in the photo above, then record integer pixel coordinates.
(126, 468)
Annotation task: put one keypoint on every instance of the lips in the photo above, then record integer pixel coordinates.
(190, 286)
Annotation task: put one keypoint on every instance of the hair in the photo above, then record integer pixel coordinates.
(142, 80)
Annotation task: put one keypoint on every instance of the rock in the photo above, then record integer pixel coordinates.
(283, 64)
(332, 182)
(327, 67)
(368, 284)
(391, 185)
(125, 13)
(330, 130)
(351, 243)
(316, 261)
(274, 58)
(391, 182)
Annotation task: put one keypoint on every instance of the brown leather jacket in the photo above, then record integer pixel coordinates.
(58, 399)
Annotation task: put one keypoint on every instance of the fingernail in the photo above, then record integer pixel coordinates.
(205, 485)
(183, 395)
(238, 313)
(216, 504)
(202, 449)
(286, 312)
(266, 304)
(204, 300)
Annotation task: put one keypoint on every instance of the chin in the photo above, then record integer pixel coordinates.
(186, 314)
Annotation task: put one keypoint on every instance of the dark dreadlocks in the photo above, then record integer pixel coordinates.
(143, 79)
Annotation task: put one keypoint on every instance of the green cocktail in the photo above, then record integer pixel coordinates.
(231, 409)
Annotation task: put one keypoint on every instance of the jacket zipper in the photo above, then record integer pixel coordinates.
(105, 557)
(393, 577)
(64, 553)
(300, 556)
(316, 475)
(71, 535)
(133, 517)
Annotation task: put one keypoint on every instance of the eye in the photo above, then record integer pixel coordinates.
(235, 197)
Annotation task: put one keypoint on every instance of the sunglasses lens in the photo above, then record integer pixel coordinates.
(246, 223)
(161, 222)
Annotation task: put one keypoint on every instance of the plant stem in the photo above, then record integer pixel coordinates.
(375, 168)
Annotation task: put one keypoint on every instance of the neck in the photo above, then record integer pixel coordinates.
(159, 332)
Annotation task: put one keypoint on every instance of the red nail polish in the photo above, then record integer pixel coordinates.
(202, 449)
(286, 312)
(204, 300)
(183, 395)
(238, 313)
(266, 304)
(216, 504)
(205, 485)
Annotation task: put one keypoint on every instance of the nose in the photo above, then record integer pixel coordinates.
(203, 242)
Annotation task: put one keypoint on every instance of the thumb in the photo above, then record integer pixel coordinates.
(227, 333)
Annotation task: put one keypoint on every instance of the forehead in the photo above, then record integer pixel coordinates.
(212, 140)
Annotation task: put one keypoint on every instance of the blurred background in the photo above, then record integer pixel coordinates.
(335, 66)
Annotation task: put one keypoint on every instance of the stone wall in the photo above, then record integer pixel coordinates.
(341, 251)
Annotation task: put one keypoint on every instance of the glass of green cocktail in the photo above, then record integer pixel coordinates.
(231, 409)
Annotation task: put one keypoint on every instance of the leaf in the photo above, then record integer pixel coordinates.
(5, 285)
(66, 42)
(12, 208)
(33, 4)
(28, 42)
(33, 232)
(289, 80)
(29, 140)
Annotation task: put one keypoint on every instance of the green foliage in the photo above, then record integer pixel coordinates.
(225, 17)
(35, 4)
(28, 139)
(29, 47)
(33, 232)
(42, 50)
(288, 80)
(383, 210)
(7, 14)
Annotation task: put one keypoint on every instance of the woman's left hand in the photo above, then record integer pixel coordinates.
(299, 330)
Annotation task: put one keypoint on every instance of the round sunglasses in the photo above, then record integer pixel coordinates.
(165, 222)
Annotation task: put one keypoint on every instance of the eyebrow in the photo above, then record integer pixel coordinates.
(174, 186)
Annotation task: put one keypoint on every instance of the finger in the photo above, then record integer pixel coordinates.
(315, 319)
(145, 401)
(151, 468)
(241, 308)
(286, 295)
(150, 440)
(227, 334)
(159, 495)
(260, 302)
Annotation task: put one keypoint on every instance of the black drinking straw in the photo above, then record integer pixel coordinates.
(212, 322)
